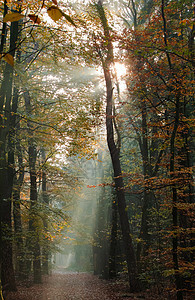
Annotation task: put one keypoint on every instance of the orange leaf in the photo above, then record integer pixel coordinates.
(8, 58)
(34, 18)
(55, 2)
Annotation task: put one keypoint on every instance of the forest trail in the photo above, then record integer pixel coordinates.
(69, 286)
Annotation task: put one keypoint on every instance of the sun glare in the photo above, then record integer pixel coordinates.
(120, 70)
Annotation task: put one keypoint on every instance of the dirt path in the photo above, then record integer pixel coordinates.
(83, 286)
(70, 286)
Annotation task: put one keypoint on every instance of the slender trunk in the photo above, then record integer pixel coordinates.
(33, 242)
(20, 267)
(113, 242)
(175, 200)
(115, 156)
(101, 252)
(4, 29)
(18, 181)
(172, 167)
(125, 228)
(45, 250)
(7, 271)
(143, 245)
(7, 161)
(32, 226)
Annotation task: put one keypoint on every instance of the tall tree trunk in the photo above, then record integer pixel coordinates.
(113, 242)
(45, 248)
(7, 160)
(186, 192)
(7, 271)
(175, 200)
(178, 281)
(100, 249)
(18, 231)
(33, 245)
(6, 184)
(142, 246)
(4, 28)
(115, 155)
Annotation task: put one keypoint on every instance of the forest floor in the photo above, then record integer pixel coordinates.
(77, 286)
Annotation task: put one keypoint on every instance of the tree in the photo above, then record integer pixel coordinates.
(162, 88)
(8, 106)
(114, 151)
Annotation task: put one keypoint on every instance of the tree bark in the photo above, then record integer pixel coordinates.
(115, 155)
(178, 281)
(143, 245)
(18, 231)
(33, 241)
(113, 242)
(7, 124)
(174, 209)
(45, 248)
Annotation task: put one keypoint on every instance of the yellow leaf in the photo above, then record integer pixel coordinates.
(12, 17)
(8, 58)
(55, 13)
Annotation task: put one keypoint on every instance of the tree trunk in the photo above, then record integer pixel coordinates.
(143, 245)
(113, 242)
(174, 209)
(33, 241)
(7, 271)
(100, 250)
(172, 168)
(32, 223)
(45, 248)
(7, 160)
(18, 181)
(115, 155)
(125, 228)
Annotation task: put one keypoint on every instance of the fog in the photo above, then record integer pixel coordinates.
(76, 252)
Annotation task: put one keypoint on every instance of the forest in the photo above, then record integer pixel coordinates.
(96, 148)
